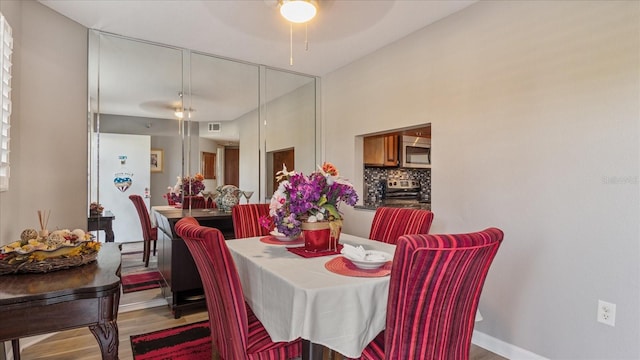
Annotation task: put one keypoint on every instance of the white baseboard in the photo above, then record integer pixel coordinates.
(142, 305)
(502, 348)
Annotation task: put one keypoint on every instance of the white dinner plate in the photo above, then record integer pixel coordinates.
(373, 259)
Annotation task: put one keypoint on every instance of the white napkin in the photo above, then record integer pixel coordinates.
(354, 252)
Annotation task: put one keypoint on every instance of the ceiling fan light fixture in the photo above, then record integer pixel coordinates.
(179, 113)
(298, 11)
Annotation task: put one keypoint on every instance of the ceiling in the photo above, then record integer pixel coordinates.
(249, 30)
(253, 30)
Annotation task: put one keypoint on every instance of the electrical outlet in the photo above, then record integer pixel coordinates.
(606, 313)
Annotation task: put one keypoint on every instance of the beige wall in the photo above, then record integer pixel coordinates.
(49, 131)
(534, 110)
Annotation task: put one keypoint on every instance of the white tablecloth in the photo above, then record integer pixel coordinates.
(297, 297)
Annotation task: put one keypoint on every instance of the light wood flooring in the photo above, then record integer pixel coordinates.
(79, 344)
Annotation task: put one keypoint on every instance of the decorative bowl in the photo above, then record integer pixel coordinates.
(42, 261)
(373, 259)
(282, 237)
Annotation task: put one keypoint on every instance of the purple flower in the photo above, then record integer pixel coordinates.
(187, 186)
(192, 186)
(317, 195)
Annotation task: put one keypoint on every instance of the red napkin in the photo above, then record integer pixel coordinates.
(301, 251)
(343, 266)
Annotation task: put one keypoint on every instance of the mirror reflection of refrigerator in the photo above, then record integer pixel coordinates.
(124, 169)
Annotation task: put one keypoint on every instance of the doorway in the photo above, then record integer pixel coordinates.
(277, 158)
(208, 165)
(231, 166)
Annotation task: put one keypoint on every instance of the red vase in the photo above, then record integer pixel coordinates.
(317, 236)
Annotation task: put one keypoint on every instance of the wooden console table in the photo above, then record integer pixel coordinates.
(182, 287)
(102, 222)
(87, 295)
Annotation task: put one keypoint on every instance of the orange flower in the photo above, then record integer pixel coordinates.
(198, 176)
(328, 168)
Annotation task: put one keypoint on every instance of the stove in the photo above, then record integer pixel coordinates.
(402, 192)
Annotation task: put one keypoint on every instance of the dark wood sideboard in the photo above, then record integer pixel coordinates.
(182, 285)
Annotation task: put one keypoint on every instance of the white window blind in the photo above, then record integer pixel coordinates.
(6, 48)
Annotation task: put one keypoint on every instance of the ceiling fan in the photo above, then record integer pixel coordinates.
(177, 108)
(296, 12)
(167, 109)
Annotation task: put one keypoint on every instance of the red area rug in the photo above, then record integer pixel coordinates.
(186, 342)
(141, 281)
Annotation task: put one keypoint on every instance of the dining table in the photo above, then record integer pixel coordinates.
(81, 296)
(323, 300)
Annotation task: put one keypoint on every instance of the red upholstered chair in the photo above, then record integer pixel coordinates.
(169, 200)
(245, 220)
(391, 223)
(235, 330)
(210, 204)
(149, 234)
(196, 202)
(435, 286)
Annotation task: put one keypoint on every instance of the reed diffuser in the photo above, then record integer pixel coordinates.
(43, 219)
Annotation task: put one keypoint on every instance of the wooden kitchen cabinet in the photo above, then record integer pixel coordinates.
(381, 150)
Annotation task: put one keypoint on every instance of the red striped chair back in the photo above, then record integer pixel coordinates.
(149, 233)
(169, 199)
(195, 202)
(391, 223)
(235, 331)
(245, 220)
(436, 281)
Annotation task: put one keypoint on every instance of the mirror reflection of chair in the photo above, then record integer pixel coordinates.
(210, 199)
(193, 202)
(390, 223)
(235, 331)
(170, 201)
(246, 220)
(434, 290)
(149, 233)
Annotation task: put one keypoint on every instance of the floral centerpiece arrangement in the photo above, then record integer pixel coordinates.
(313, 198)
(190, 186)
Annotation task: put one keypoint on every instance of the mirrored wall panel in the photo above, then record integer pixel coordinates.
(289, 120)
(158, 112)
(224, 95)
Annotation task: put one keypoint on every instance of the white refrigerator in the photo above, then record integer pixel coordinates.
(124, 169)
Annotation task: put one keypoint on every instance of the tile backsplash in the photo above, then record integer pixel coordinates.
(375, 179)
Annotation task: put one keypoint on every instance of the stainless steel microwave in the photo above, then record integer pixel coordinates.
(416, 152)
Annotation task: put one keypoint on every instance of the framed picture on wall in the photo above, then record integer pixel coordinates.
(157, 160)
